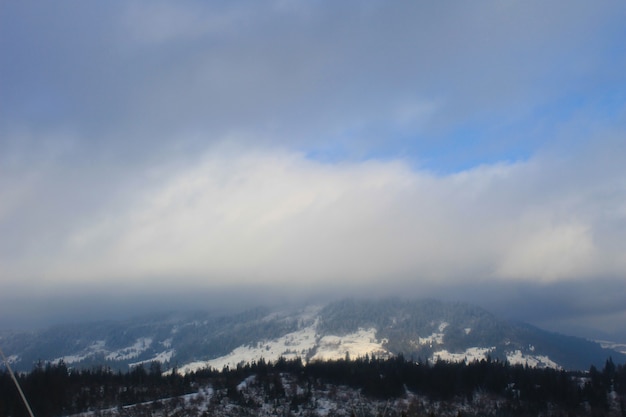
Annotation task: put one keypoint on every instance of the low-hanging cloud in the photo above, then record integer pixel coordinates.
(280, 218)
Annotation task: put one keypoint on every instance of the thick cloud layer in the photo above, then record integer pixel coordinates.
(280, 220)
(278, 217)
(468, 151)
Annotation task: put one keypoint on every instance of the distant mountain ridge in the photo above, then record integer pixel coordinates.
(424, 330)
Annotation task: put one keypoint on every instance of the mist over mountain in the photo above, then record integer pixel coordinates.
(421, 330)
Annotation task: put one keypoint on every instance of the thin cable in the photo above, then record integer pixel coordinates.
(17, 384)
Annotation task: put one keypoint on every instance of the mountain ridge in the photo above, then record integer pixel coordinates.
(421, 329)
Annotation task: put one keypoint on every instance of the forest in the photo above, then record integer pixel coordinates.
(58, 390)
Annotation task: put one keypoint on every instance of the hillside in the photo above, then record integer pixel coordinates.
(419, 329)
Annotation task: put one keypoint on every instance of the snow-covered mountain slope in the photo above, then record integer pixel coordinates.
(306, 344)
(424, 330)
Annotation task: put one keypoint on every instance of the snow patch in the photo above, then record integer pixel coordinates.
(161, 357)
(93, 349)
(469, 355)
(355, 345)
(293, 345)
(13, 359)
(534, 361)
(619, 347)
(244, 384)
(141, 345)
(435, 338)
(299, 344)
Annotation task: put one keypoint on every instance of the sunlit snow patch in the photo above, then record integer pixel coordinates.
(299, 344)
(290, 346)
(534, 361)
(356, 344)
(468, 356)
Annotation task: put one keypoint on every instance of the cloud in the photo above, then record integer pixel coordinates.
(550, 253)
(279, 218)
(371, 76)
(162, 22)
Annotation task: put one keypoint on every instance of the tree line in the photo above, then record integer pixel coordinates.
(56, 389)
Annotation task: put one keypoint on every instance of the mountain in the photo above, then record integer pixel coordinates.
(419, 329)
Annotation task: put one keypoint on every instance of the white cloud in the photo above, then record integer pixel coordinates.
(278, 217)
(549, 252)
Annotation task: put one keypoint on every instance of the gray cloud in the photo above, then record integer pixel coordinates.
(150, 72)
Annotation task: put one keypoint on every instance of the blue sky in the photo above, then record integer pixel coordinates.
(467, 150)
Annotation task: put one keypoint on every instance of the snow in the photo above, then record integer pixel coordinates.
(324, 400)
(161, 357)
(356, 344)
(293, 345)
(94, 348)
(477, 353)
(13, 359)
(308, 345)
(68, 359)
(133, 351)
(469, 355)
(619, 347)
(141, 345)
(534, 361)
(299, 344)
(435, 338)
(244, 384)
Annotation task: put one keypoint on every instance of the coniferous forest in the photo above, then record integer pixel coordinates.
(365, 386)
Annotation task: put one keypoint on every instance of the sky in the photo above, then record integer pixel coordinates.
(201, 154)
